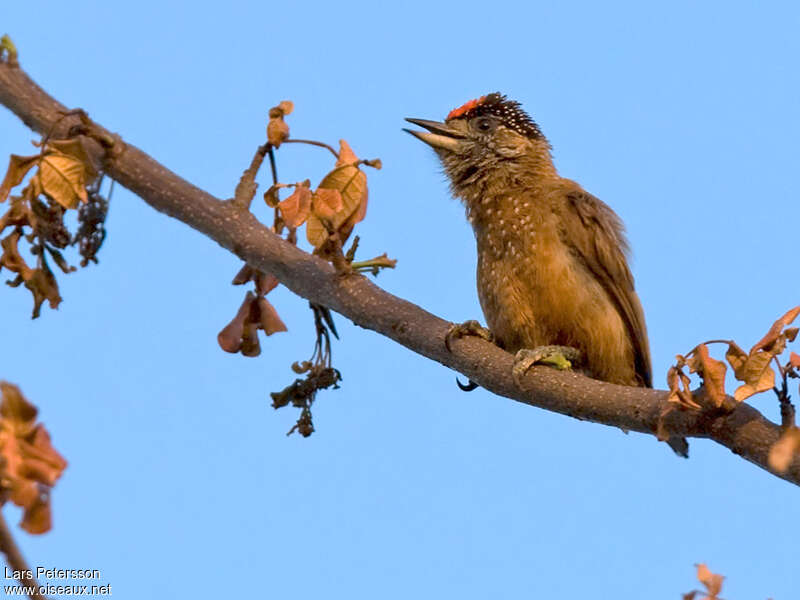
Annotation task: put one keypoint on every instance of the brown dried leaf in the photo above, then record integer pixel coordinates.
(230, 338)
(18, 167)
(679, 388)
(794, 360)
(712, 581)
(286, 107)
(271, 196)
(297, 207)
(270, 321)
(30, 465)
(351, 182)
(757, 375)
(265, 283)
(713, 373)
(791, 333)
(250, 345)
(774, 332)
(76, 148)
(277, 131)
(737, 358)
(63, 179)
(781, 453)
(245, 274)
(327, 203)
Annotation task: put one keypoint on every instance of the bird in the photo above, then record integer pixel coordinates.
(553, 278)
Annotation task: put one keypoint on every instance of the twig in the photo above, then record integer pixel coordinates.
(312, 143)
(16, 561)
(247, 186)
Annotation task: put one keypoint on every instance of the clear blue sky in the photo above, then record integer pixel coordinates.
(682, 115)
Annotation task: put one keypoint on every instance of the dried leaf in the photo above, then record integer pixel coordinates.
(63, 179)
(270, 321)
(76, 148)
(271, 196)
(18, 167)
(781, 453)
(277, 131)
(794, 360)
(757, 375)
(774, 332)
(265, 283)
(230, 338)
(326, 203)
(351, 183)
(713, 373)
(30, 465)
(791, 333)
(712, 581)
(297, 207)
(737, 358)
(679, 388)
(286, 107)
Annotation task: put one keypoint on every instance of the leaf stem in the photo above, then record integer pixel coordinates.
(312, 143)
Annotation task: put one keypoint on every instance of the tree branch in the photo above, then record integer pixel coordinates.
(744, 430)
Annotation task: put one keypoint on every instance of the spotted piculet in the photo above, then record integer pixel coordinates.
(552, 265)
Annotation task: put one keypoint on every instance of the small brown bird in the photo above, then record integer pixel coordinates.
(553, 279)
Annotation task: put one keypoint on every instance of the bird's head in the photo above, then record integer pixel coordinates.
(482, 135)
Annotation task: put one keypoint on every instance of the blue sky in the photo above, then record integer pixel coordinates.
(682, 116)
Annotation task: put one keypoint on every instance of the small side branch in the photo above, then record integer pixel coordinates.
(247, 186)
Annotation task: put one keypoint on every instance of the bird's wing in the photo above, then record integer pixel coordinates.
(596, 235)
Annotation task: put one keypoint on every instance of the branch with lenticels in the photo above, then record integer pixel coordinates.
(728, 421)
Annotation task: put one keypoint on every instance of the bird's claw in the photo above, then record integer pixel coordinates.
(559, 357)
(470, 327)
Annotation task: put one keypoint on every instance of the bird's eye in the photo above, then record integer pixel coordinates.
(483, 124)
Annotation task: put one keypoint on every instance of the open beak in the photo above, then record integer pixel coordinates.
(441, 135)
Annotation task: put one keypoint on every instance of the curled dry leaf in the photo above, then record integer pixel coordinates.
(277, 129)
(775, 333)
(351, 183)
(18, 167)
(794, 360)
(711, 581)
(268, 317)
(757, 375)
(712, 371)
(40, 281)
(30, 465)
(230, 338)
(241, 334)
(326, 203)
(679, 388)
(781, 453)
(296, 208)
(63, 179)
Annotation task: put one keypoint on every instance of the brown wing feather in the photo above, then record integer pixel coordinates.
(597, 236)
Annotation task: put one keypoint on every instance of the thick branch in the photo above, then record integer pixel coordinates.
(744, 430)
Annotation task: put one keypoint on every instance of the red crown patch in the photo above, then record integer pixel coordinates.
(464, 108)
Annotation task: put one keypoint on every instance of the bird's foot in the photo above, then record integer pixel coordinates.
(464, 329)
(470, 327)
(559, 357)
